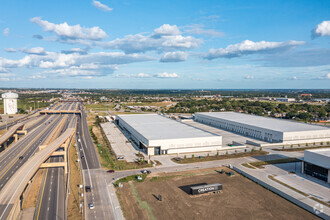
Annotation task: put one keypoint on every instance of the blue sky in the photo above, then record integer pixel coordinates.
(165, 44)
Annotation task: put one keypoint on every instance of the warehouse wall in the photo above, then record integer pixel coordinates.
(244, 129)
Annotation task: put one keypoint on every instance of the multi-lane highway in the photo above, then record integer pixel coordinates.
(51, 199)
(102, 194)
(43, 132)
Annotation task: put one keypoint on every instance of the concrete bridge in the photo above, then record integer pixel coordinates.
(13, 132)
(48, 112)
(11, 193)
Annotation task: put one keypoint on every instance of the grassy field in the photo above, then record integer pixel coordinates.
(99, 107)
(107, 157)
(75, 180)
(158, 104)
(220, 157)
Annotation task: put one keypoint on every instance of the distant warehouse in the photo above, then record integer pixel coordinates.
(264, 128)
(156, 135)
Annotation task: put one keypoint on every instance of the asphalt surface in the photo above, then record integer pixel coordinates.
(51, 198)
(25, 147)
(101, 194)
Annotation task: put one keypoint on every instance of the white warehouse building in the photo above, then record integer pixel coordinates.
(156, 134)
(316, 163)
(266, 129)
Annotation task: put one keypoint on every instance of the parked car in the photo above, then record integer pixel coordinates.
(110, 171)
(82, 156)
(91, 206)
(87, 188)
(145, 171)
(120, 157)
(21, 157)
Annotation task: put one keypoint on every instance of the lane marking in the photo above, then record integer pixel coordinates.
(42, 194)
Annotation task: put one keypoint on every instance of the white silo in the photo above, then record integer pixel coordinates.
(10, 103)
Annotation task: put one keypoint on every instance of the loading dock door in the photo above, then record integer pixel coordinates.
(157, 150)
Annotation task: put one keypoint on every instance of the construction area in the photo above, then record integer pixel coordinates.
(239, 198)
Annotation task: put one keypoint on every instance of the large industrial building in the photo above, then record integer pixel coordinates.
(156, 134)
(316, 163)
(266, 129)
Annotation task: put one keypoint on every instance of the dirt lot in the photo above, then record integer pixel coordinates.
(240, 199)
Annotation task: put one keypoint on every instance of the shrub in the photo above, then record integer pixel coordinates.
(321, 143)
(192, 156)
(208, 155)
(245, 150)
(217, 153)
(226, 152)
(185, 157)
(260, 148)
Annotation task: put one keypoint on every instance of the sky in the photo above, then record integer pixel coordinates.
(149, 44)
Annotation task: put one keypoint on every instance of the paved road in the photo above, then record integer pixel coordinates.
(102, 193)
(26, 147)
(51, 198)
(10, 193)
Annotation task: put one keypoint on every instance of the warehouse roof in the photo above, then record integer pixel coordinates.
(157, 127)
(281, 125)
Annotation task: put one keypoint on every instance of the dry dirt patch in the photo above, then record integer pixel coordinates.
(240, 199)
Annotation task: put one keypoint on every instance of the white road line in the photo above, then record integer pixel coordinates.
(114, 211)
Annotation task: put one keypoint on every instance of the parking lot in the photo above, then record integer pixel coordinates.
(119, 143)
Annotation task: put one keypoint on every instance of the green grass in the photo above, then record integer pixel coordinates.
(142, 204)
(221, 157)
(160, 178)
(108, 158)
(131, 178)
(100, 106)
(300, 148)
(260, 164)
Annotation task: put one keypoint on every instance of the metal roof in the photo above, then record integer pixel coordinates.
(324, 151)
(281, 125)
(157, 127)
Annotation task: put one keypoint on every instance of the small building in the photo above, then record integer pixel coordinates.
(316, 163)
(156, 134)
(10, 103)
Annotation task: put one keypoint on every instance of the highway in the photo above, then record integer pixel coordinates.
(26, 147)
(102, 193)
(11, 191)
(51, 199)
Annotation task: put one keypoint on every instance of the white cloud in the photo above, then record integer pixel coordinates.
(199, 29)
(65, 31)
(34, 50)
(6, 31)
(322, 29)
(166, 30)
(101, 6)
(249, 77)
(167, 75)
(168, 38)
(75, 50)
(326, 76)
(174, 56)
(143, 75)
(249, 47)
(10, 50)
(75, 64)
